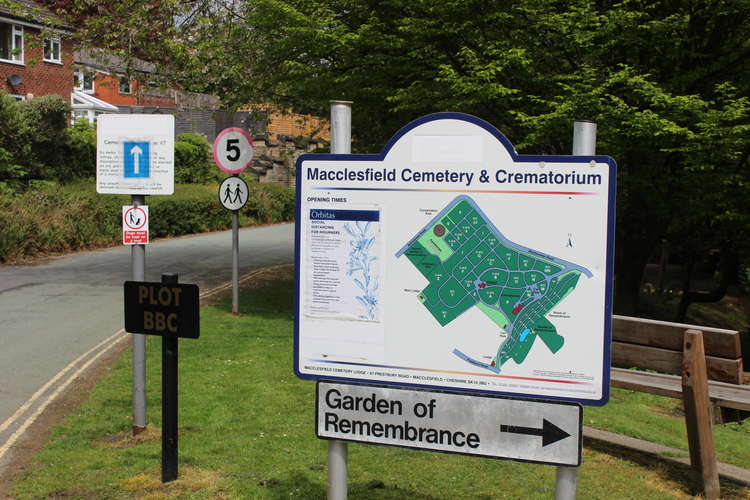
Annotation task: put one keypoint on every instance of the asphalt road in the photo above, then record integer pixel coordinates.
(54, 311)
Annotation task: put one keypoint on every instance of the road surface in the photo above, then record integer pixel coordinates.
(53, 312)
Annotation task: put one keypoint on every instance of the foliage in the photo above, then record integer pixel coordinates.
(191, 159)
(36, 142)
(49, 218)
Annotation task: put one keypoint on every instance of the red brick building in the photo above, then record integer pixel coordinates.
(36, 52)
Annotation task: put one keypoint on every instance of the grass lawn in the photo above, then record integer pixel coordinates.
(247, 431)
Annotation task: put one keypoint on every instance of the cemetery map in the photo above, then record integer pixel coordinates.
(469, 263)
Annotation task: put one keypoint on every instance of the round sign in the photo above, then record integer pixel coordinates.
(233, 193)
(233, 150)
(134, 218)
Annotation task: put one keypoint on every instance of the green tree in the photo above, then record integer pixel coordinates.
(667, 82)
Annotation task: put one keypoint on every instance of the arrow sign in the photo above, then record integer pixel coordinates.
(451, 422)
(550, 432)
(136, 152)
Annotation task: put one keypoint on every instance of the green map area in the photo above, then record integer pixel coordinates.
(468, 263)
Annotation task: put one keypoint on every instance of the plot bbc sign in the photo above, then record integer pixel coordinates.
(162, 309)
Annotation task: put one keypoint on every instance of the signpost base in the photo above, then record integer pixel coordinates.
(337, 470)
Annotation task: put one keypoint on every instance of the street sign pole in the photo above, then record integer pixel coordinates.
(235, 260)
(584, 144)
(169, 399)
(138, 272)
(341, 143)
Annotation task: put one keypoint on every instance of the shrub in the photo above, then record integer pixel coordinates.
(50, 218)
(45, 124)
(82, 149)
(191, 159)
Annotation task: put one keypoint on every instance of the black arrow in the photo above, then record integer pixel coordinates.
(550, 432)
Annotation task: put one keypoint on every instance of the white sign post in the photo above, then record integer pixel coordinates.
(233, 153)
(135, 155)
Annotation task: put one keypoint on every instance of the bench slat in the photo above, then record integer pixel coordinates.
(718, 342)
(724, 395)
(628, 355)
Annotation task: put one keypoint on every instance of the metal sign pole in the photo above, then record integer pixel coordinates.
(169, 399)
(584, 144)
(341, 143)
(235, 260)
(138, 272)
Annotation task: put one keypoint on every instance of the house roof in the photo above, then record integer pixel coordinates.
(103, 60)
(33, 13)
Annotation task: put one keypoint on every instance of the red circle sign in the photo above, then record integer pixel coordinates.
(134, 218)
(233, 150)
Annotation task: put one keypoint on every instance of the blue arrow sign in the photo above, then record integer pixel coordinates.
(136, 157)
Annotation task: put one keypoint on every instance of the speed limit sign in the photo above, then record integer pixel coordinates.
(233, 150)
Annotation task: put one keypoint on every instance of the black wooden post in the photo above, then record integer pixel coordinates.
(169, 398)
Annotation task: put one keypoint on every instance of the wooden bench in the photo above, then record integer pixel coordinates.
(701, 366)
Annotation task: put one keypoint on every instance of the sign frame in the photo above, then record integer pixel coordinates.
(609, 190)
(483, 396)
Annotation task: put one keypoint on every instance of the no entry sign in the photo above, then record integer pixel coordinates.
(134, 225)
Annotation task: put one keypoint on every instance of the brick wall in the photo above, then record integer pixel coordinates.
(40, 77)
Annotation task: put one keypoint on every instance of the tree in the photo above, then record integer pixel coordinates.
(667, 81)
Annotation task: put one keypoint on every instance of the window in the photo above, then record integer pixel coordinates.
(124, 85)
(11, 42)
(52, 50)
(83, 81)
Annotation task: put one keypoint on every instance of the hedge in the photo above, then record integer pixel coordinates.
(48, 218)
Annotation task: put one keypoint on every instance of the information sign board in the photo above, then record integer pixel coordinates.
(135, 225)
(517, 429)
(135, 154)
(452, 262)
(162, 309)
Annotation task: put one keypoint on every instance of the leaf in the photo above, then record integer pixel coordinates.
(360, 285)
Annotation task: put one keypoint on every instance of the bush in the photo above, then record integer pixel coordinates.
(191, 159)
(45, 130)
(50, 218)
(82, 150)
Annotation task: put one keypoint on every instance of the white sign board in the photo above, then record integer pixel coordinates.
(135, 225)
(450, 261)
(233, 193)
(524, 430)
(135, 154)
(233, 150)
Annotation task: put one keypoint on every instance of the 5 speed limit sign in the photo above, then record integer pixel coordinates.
(233, 150)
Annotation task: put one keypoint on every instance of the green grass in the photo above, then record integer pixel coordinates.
(660, 420)
(247, 431)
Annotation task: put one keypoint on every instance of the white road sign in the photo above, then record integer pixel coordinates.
(233, 150)
(233, 193)
(134, 225)
(450, 261)
(516, 429)
(135, 154)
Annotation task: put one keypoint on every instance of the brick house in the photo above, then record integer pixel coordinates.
(36, 52)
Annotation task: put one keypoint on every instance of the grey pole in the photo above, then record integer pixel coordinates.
(341, 143)
(138, 273)
(236, 260)
(584, 144)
